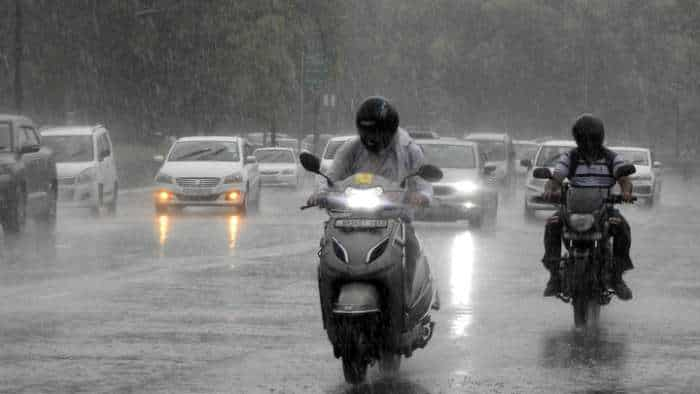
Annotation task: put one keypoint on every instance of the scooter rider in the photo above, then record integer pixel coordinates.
(590, 164)
(382, 149)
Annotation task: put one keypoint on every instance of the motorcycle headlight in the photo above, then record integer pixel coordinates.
(233, 178)
(363, 198)
(87, 176)
(581, 222)
(466, 186)
(164, 178)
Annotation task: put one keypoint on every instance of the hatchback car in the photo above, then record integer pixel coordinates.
(278, 166)
(464, 193)
(547, 156)
(87, 172)
(499, 151)
(647, 180)
(208, 171)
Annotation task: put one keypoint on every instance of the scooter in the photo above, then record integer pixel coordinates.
(375, 285)
(586, 267)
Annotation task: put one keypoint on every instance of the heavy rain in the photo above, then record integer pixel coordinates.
(347, 196)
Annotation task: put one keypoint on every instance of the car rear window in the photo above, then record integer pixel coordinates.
(70, 148)
(274, 156)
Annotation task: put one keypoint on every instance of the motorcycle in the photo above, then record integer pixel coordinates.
(586, 268)
(373, 308)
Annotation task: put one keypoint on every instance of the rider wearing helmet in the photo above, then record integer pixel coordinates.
(383, 149)
(590, 164)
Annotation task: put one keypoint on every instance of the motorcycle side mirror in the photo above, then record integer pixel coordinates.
(542, 173)
(312, 163)
(430, 173)
(625, 170)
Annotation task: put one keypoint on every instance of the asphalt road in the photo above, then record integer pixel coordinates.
(210, 302)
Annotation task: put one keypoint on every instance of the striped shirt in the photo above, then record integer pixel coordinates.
(597, 174)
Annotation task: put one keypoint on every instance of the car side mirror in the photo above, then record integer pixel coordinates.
(542, 173)
(29, 149)
(105, 153)
(489, 169)
(526, 163)
(625, 170)
(250, 160)
(658, 164)
(159, 158)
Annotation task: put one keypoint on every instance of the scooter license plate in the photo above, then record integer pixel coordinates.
(361, 223)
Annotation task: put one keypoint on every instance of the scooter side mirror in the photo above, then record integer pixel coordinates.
(625, 170)
(542, 173)
(310, 162)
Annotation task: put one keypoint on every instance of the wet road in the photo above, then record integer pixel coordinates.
(208, 302)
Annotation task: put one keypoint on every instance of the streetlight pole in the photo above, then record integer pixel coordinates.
(19, 53)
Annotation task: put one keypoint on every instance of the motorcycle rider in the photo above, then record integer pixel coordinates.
(383, 149)
(590, 164)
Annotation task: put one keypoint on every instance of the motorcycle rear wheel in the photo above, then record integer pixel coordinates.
(354, 369)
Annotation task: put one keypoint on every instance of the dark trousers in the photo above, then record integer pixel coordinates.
(619, 228)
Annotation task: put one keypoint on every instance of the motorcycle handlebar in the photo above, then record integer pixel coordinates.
(556, 199)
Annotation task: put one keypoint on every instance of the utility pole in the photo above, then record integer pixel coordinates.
(19, 53)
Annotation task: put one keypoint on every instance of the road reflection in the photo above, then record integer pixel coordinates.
(461, 273)
(384, 386)
(583, 349)
(233, 223)
(165, 224)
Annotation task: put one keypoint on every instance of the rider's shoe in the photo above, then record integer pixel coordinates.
(553, 286)
(621, 290)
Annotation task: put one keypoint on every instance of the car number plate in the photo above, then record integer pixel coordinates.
(361, 223)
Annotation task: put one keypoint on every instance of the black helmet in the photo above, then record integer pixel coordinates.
(377, 122)
(589, 134)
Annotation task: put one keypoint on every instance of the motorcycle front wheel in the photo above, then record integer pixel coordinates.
(354, 369)
(586, 312)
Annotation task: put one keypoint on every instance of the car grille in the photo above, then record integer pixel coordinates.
(443, 190)
(67, 180)
(645, 189)
(198, 182)
(269, 172)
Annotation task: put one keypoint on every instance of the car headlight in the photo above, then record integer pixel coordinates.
(466, 186)
(363, 198)
(233, 178)
(87, 176)
(581, 222)
(164, 178)
(288, 171)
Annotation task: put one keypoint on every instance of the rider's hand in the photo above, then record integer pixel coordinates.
(418, 199)
(627, 197)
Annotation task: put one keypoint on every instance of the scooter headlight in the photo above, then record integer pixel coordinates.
(581, 222)
(466, 186)
(363, 198)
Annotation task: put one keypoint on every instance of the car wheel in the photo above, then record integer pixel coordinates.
(529, 214)
(243, 208)
(112, 207)
(16, 217)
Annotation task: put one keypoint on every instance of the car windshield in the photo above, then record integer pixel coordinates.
(525, 151)
(494, 150)
(5, 136)
(549, 155)
(204, 151)
(638, 157)
(449, 156)
(274, 156)
(332, 148)
(70, 148)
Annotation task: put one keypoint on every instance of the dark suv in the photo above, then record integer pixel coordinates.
(27, 176)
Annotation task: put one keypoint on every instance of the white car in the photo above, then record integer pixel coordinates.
(498, 148)
(464, 193)
(646, 180)
(87, 173)
(278, 166)
(524, 150)
(547, 156)
(208, 171)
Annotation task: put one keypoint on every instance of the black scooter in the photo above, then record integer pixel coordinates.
(375, 298)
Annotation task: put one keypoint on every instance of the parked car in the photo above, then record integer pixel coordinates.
(28, 180)
(208, 171)
(523, 150)
(647, 180)
(464, 193)
(499, 151)
(87, 172)
(307, 143)
(279, 166)
(547, 156)
(291, 143)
